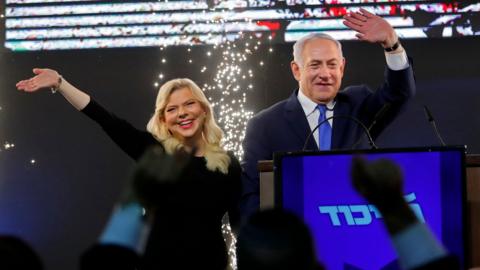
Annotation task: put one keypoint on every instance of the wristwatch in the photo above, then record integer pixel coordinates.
(394, 47)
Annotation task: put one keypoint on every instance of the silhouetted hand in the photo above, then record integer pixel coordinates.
(371, 28)
(380, 182)
(156, 170)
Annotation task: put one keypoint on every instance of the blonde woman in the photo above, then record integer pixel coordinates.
(189, 232)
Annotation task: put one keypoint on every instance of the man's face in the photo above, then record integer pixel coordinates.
(320, 73)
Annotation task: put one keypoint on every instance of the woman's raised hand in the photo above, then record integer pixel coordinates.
(44, 79)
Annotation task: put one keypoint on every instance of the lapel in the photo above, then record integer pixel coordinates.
(297, 121)
(340, 126)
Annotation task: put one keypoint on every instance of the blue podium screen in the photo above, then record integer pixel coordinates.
(348, 232)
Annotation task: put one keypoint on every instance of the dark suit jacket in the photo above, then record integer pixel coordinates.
(284, 126)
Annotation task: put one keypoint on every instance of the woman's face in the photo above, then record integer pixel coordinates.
(184, 115)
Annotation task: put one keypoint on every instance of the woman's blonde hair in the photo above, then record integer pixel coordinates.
(217, 158)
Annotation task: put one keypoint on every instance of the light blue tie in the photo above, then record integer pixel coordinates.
(325, 130)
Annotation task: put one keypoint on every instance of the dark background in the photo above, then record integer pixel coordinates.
(61, 203)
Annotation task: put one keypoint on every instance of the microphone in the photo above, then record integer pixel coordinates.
(430, 119)
(365, 129)
(380, 114)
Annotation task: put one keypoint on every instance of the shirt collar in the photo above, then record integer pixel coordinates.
(309, 106)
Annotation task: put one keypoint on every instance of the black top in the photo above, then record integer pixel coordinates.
(187, 230)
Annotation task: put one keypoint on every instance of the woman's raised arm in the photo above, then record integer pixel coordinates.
(50, 79)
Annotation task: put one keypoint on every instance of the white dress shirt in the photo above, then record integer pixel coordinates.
(310, 109)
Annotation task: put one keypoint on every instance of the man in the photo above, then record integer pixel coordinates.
(318, 66)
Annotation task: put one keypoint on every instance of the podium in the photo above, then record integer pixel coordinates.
(265, 168)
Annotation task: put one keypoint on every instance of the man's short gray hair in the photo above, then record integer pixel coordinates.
(300, 44)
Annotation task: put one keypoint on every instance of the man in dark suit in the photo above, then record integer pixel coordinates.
(318, 66)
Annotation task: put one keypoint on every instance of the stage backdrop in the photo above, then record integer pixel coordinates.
(60, 174)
